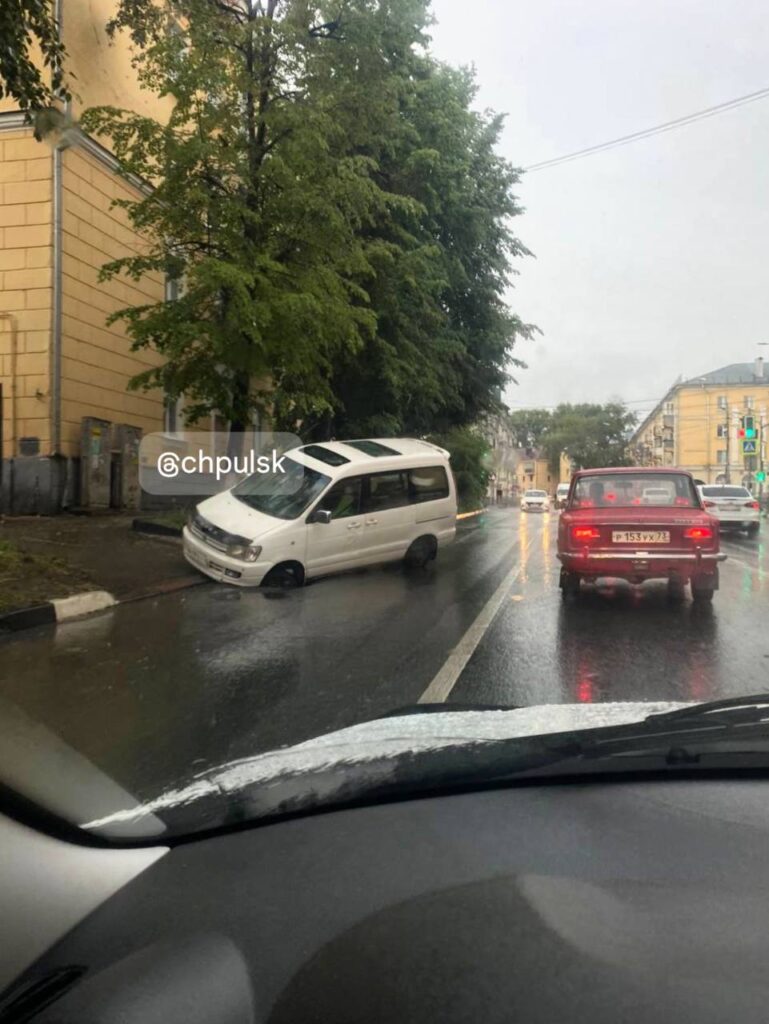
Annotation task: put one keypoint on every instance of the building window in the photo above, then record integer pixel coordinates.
(172, 414)
(722, 402)
(669, 408)
(722, 430)
(721, 457)
(748, 401)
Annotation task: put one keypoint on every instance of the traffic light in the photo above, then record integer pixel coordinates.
(760, 476)
(748, 429)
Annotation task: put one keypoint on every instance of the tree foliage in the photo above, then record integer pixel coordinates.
(444, 339)
(529, 426)
(27, 26)
(332, 206)
(470, 464)
(591, 435)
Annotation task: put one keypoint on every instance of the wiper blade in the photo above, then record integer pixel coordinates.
(434, 709)
(730, 711)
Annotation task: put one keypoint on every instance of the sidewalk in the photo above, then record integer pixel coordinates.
(46, 558)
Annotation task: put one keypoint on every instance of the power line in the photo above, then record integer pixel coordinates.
(646, 133)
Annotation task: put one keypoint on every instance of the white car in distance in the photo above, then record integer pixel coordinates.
(733, 506)
(535, 501)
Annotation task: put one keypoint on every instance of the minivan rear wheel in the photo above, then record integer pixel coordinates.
(421, 551)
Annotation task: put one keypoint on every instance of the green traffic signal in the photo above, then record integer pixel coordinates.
(760, 476)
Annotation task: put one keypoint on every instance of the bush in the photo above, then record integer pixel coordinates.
(469, 463)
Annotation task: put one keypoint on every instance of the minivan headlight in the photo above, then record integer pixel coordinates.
(248, 552)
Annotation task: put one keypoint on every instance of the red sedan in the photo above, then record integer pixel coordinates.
(636, 525)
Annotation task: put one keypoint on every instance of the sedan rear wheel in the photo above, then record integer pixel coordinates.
(702, 592)
(753, 529)
(676, 590)
(570, 585)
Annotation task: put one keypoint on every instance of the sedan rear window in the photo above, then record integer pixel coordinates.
(725, 492)
(628, 489)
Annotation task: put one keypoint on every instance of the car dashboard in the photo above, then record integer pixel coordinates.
(592, 901)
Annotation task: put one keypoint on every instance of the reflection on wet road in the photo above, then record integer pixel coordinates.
(619, 642)
(204, 676)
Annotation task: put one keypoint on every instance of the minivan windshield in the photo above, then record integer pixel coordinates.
(284, 494)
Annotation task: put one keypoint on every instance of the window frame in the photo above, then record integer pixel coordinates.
(403, 472)
(413, 499)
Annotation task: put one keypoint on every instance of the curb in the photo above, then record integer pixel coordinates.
(77, 606)
(155, 529)
(467, 515)
(58, 610)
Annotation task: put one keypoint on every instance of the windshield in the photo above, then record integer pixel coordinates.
(625, 490)
(370, 357)
(725, 492)
(286, 493)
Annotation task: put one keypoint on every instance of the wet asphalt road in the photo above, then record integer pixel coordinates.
(157, 690)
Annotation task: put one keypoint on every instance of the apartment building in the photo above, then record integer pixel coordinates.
(64, 399)
(699, 426)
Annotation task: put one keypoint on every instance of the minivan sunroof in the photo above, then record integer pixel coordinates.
(373, 448)
(317, 451)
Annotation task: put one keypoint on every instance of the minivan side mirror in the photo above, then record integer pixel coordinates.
(320, 515)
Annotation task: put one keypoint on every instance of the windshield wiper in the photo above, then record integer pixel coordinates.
(730, 711)
(434, 709)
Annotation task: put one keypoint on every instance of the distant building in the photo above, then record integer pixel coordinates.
(504, 459)
(697, 426)
(534, 472)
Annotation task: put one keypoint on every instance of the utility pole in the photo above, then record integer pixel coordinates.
(761, 437)
(728, 442)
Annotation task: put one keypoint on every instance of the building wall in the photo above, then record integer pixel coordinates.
(535, 474)
(97, 362)
(689, 427)
(25, 285)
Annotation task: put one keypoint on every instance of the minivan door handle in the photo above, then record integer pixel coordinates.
(371, 522)
(353, 526)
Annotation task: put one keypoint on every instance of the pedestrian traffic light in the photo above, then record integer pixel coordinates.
(760, 476)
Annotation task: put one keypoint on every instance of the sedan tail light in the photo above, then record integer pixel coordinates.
(710, 504)
(752, 504)
(698, 533)
(584, 533)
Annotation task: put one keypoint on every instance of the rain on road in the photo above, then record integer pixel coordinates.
(204, 676)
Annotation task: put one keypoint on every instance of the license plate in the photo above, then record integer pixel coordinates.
(730, 508)
(640, 537)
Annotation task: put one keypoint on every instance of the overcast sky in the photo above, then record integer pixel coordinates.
(652, 259)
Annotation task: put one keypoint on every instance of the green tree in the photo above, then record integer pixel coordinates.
(264, 192)
(592, 435)
(35, 84)
(530, 426)
(444, 338)
(470, 461)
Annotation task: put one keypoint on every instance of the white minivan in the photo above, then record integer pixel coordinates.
(335, 505)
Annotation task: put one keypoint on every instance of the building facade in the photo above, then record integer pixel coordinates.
(64, 374)
(699, 423)
(504, 457)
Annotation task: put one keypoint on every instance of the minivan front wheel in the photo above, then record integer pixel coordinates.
(286, 575)
(421, 551)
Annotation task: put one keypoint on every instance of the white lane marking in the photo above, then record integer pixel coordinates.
(445, 680)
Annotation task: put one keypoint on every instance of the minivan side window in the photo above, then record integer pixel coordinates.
(386, 490)
(343, 499)
(428, 483)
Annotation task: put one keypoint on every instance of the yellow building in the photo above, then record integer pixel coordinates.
(59, 362)
(534, 472)
(697, 426)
